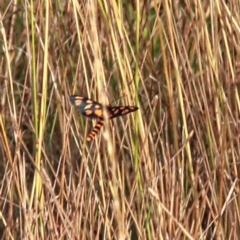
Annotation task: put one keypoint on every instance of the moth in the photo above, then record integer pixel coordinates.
(94, 110)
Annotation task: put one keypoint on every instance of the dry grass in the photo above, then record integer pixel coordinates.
(167, 171)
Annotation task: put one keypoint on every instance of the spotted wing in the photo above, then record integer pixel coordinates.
(120, 111)
(87, 107)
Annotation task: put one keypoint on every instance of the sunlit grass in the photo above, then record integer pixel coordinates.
(166, 171)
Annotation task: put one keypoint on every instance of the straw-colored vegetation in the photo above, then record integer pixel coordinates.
(167, 171)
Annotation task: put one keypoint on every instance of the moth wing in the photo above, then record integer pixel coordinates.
(87, 107)
(120, 110)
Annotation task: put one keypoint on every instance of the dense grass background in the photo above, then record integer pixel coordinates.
(169, 170)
